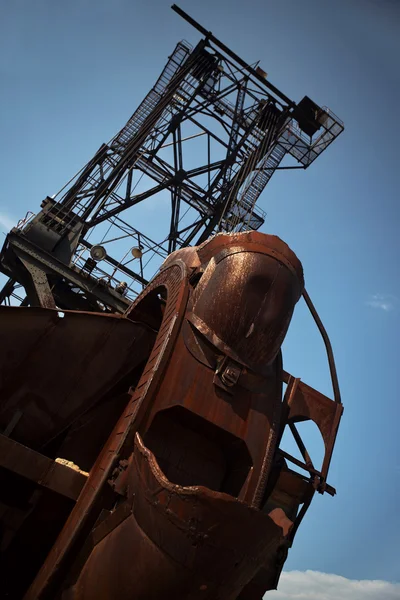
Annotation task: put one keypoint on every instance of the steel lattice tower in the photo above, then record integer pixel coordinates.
(210, 133)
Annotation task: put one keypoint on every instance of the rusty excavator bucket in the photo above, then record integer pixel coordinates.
(173, 414)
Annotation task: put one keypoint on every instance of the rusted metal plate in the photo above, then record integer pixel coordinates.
(54, 366)
(308, 403)
(247, 294)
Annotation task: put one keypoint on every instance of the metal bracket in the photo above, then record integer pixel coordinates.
(40, 282)
(227, 374)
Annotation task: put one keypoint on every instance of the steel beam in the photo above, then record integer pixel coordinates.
(40, 469)
(48, 262)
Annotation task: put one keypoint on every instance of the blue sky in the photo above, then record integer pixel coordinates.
(72, 73)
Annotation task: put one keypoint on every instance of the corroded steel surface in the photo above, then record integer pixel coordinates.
(55, 365)
(190, 496)
(187, 526)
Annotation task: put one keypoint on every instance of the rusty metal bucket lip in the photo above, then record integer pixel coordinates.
(189, 490)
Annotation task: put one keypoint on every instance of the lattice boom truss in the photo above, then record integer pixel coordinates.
(203, 144)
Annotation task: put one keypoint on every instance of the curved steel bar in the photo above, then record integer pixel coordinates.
(328, 346)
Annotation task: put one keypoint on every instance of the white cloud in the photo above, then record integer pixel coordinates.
(312, 585)
(384, 302)
(6, 222)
